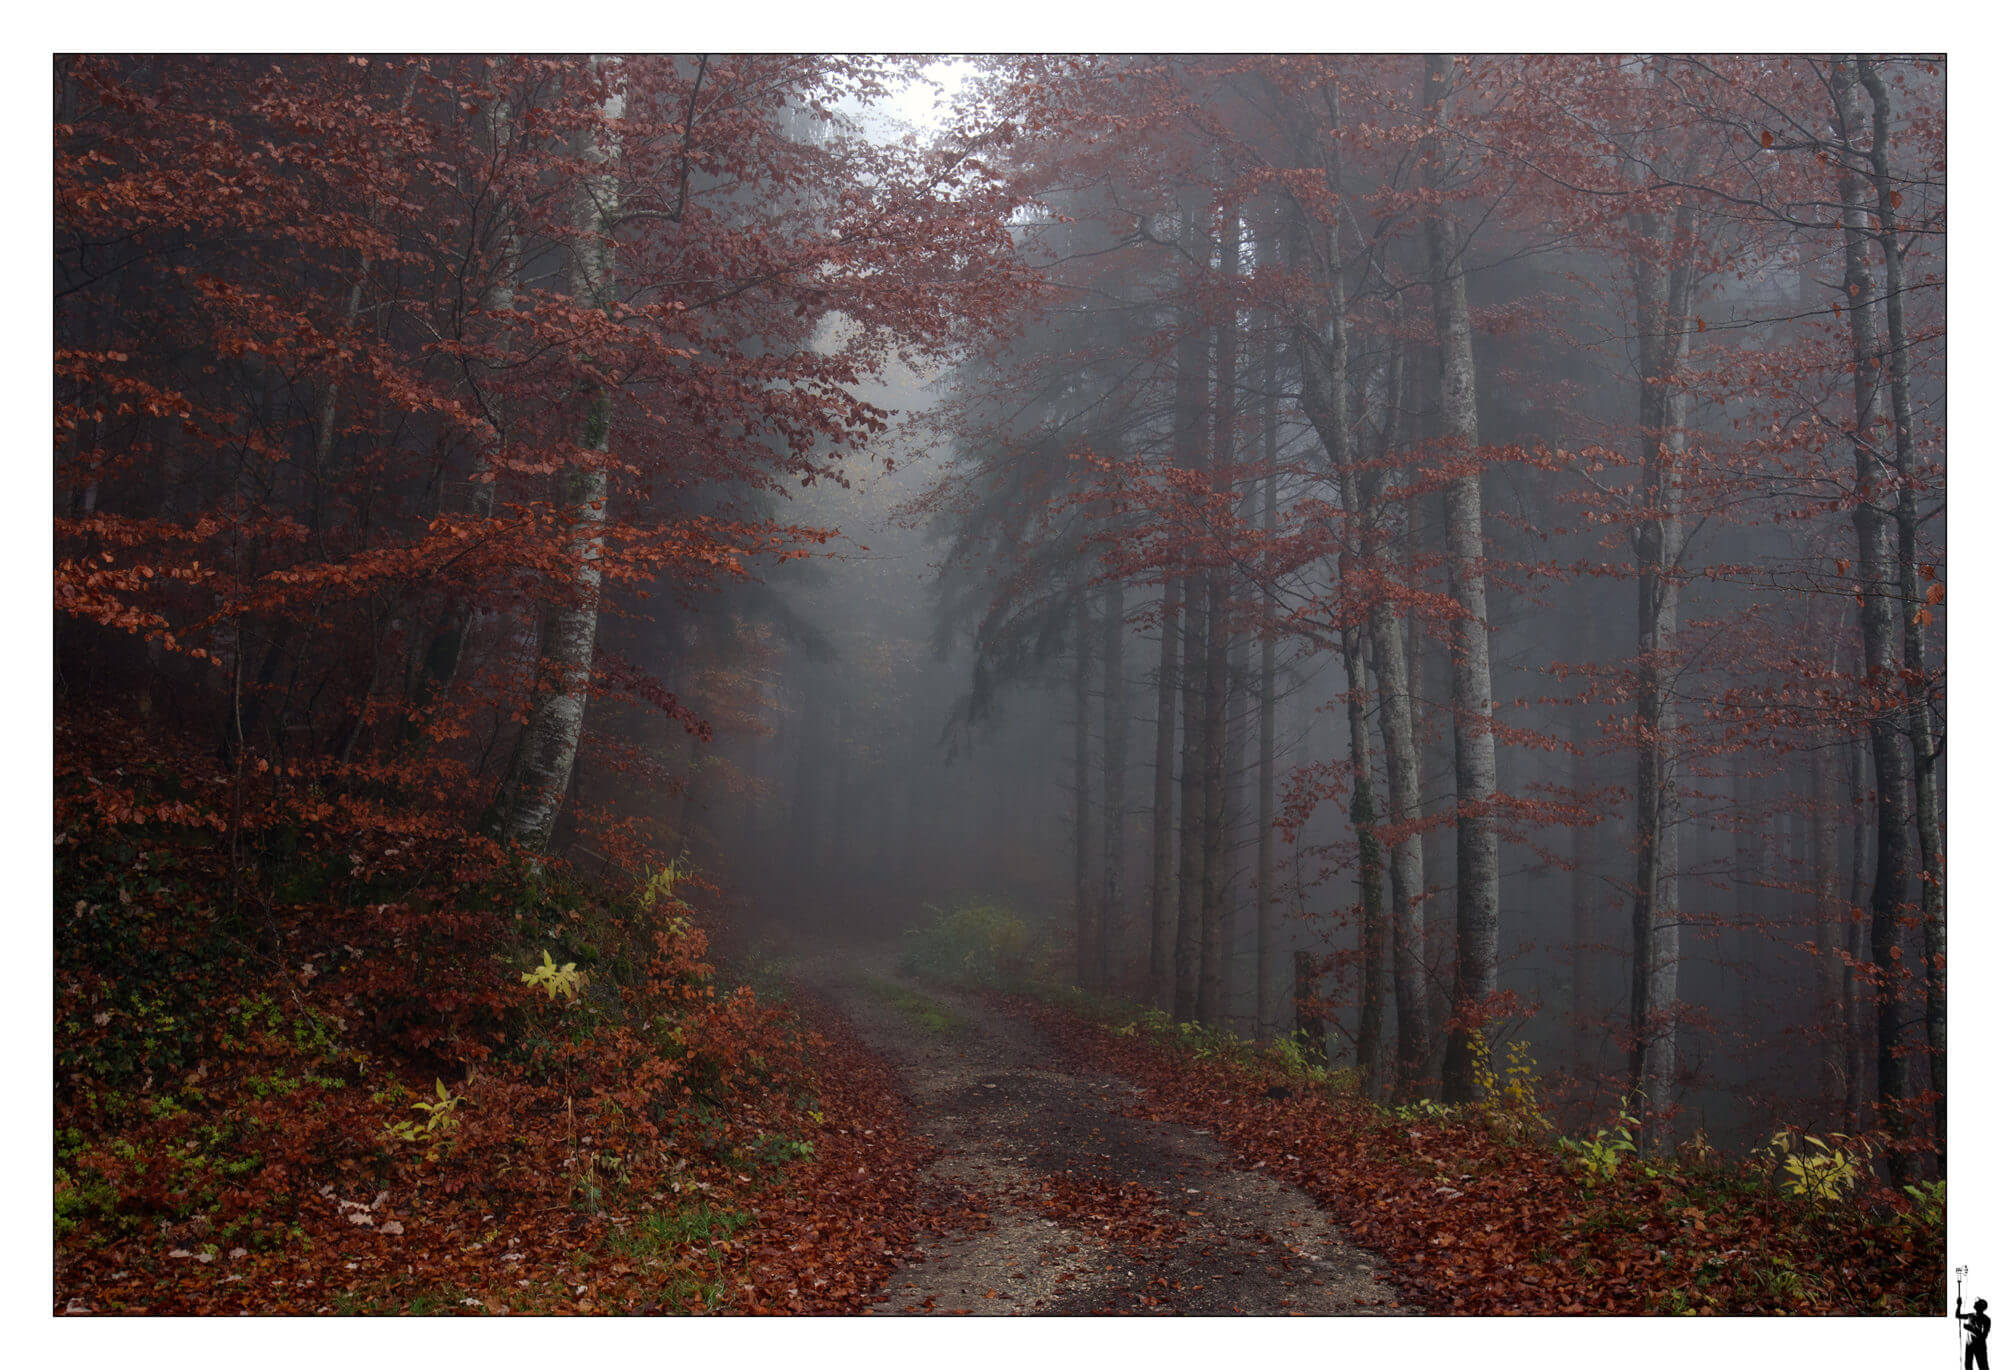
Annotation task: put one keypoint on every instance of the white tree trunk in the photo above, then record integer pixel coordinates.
(538, 774)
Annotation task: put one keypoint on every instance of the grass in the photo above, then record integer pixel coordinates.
(681, 1238)
(664, 1231)
(922, 1010)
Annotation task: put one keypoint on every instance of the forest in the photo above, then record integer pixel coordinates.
(1233, 684)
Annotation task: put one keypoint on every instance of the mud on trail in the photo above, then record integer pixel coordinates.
(1091, 1210)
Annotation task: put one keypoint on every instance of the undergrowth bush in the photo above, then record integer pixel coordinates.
(972, 943)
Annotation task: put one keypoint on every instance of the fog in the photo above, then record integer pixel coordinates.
(1351, 550)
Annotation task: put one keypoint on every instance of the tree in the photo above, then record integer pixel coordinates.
(1471, 672)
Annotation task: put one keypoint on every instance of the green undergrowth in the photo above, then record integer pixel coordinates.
(919, 1008)
(977, 943)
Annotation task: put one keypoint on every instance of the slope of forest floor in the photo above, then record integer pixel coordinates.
(1483, 1211)
(1090, 1206)
(321, 1053)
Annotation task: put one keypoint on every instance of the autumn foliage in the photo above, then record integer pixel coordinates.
(375, 377)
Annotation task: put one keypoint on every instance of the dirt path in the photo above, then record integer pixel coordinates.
(1092, 1211)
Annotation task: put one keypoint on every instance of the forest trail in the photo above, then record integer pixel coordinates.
(1091, 1210)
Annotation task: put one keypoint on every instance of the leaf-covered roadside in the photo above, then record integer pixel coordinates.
(369, 1064)
(1472, 1220)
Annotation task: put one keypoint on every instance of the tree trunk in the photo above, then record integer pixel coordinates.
(537, 776)
(1828, 908)
(1471, 672)
(1267, 731)
(1399, 742)
(1187, 929)
(1583, 903)
(1854, 1020)
(1662, 277)
(1872, 517)
(1923, 748)
(1159, 960)
(1088, 922)
(1191, 386)
(1111, 913)
(1212, 994)
(1323, 368)
(1369, 1046)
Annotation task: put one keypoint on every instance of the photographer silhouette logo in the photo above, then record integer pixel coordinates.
(1973, 1326)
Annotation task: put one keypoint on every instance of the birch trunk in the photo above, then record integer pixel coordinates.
(531, 793)
(1471, 671)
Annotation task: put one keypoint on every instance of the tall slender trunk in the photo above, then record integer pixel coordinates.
(1923, 747)
(1399, 744)
(530, 795)
(1662, 278)
(1088, 915)
(1159, 959)
(1828, 909)
(1324, 385)
(1212, 989)
(1187, 928)
(1369, 1046)
(1267, 729)
(1237, 811)
(1583, 900)
(1191, 388)
(1872, 517)
(1471, 671)
(1170, 902)
(1323, 376)
(1854, 1018)
(1117, 728)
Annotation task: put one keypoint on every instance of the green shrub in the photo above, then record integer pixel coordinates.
(974, 943)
